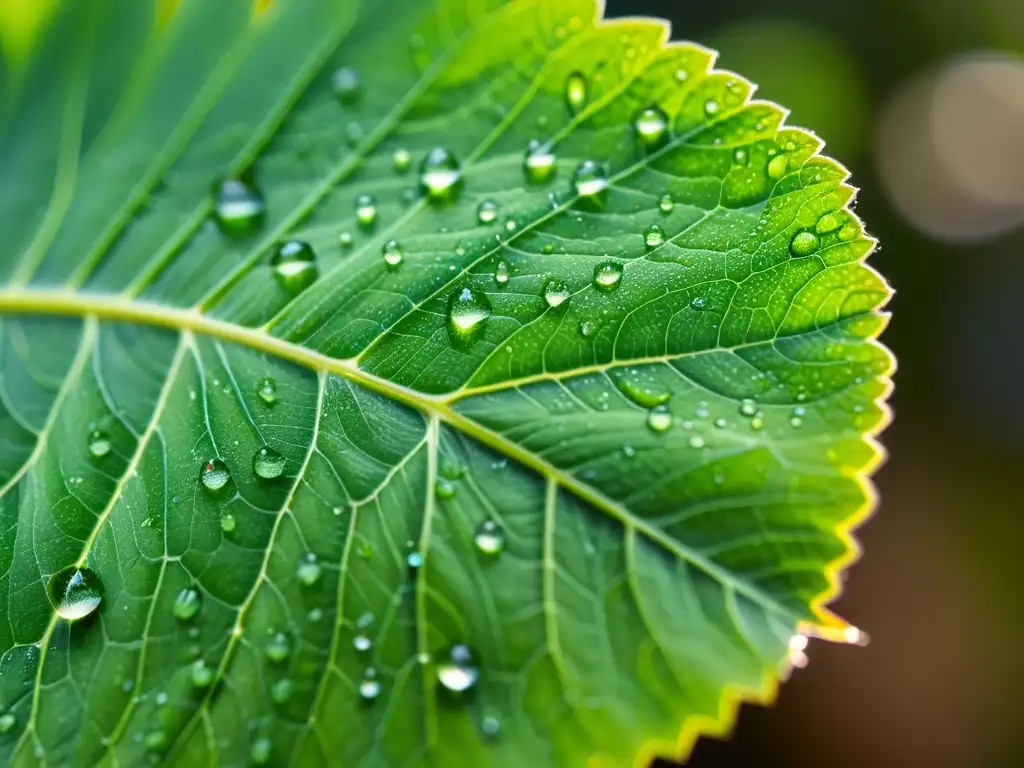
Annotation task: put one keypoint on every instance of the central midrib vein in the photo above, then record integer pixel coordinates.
(112, 307)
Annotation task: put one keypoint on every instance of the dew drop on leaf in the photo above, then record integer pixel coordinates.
(75, 592)
(711, 107)
(659, 419)
(576, 92)
(414, 559)
(215, 475)
(590, 180)
(696, 441)
(501, 273)
(393, 255)
(266, 388)
(681, 75)
(666, 204)
(227, 522)
(748, 407)
(556, 293)
(294, 265)
(607, 276)
(777, 167)
(444, 488)
(643, 389)
(282, 690)
(487, 212)
(259, 753)
(401, 160)
(238, 208)
(489, 538)
(99, 443)
(347, 84)
(308, 572)
(468, 309)
(699, 302)
(439, 173)
(345, 240)
(278, 647)
(187, 604)
(804, 244)
(366, 211)
(739, 156)
(458, 672)
(827, 223)
(201, 675)
(654, 236)
(490, 726)
(369, 688)
(538, 162)
(651, 126)
(7, 723)
(586, 328)
(849, 232)
(268, 463)
(362, 643)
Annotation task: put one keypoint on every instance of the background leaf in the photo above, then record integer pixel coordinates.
(608, 442)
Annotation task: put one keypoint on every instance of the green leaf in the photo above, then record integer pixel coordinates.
(396, 410)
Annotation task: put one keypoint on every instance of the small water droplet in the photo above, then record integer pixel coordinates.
(282, 690)
(440, 173)
(778, 166)
(308, 572)
(227, 522)
(659, 419)
(187, 604)
(849, 232)
(576, 92)
(489, 538)
(696, 441)
(362, 643)
(401, 160)
(266, 388)
(804, 244)
(501, 273)
(156, 741)
(628, 451)
(651, 126)
(487, 212)
(7, 723)
(490, 726)
(711, 107)
(347, 84)
(366, 211)
(75, 592)
(644, 390)
(654, 236)
(699, 302)
(748, 407)
(294, 265)
(414, 559)
(458, 672)
(238, 208)
(268, 463)
(590, 180)
(215, 475)
(666, 204)
(721, 423)
(556, 293)
(445, 489)
(99, 443)
(586, 328)
(757, 422)
(259, 753)
(608, 276)
(739, 156)
(345, 240)
(468, 309)
(827, 223)
(369, 688)
(538, 162)
(202, 675)
(681, 75)
(393, 254)
(278, 647)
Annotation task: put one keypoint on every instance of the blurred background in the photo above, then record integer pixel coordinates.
(924, 102)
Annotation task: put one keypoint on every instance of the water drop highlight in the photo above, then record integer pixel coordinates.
(489, 538)
(440, 173)
(294, 265)
(75, 592)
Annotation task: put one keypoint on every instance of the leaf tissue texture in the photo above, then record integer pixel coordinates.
(407, 383)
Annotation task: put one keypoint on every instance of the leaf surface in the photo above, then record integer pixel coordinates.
(542, 463)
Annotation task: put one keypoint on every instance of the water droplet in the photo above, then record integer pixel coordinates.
(748, 407)
(468, 308)
(278, 647)
(586, 328)
(445, 489)
(487, 212)
(156, 741)
(414, 559)
(490, 726)
(804, 244)
(644, 390)
(696, 441)
(238, 208)
(681, 75)
(282, 690)
(659, 419)
(439, 173)
(576, 92)
(711, 107)
(268, 463)
(654, 236)
(651, 126)
(215, 475)
(628, 451)
(489, 538)
(366, 211)
(827, 223)
(849, 232)
(699, 302)
(369, 688)
(99, 444)
(778, 166)
(757, 422)
(538, 162)
(556, 293)
(362, 643)
(347, 84)
(666, 204)
(202, 675)
(608, 276)
(308, 571)
(393, 255)
(227, 522)
(345, 240)
(458, 672)
(720, 423)
(266, 388)
(75, 592)
(590, 180)
(401, 160)
(259, 753)
(7, 723)
(501, 273)
(294, 265)
(739, 156)
(187, 604)
(796, 422)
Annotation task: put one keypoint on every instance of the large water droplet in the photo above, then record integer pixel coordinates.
(556, 292)
(266, 388)
(347, 84)
(238, 208)
(278, 647)
(445, 489)
(439, 173)
(804, 244)
(654, 236)
(666, 204)
(608, 276)
(202, 676)
(308, 571)
(366, 211)
(576, 92)
(369, 688)
(501, 273)
(487, 212)
(748, 407)
(99, 443)
(362, 643)
(294, 265)
(7, 723)
(651, 126)
(711, 107)
(590, 180)
(458, 672)
(659, 419)
(489, 538)
(187, 604)
(228, 522)
(75, 592)
(827, 223)
(268, 463)
(777, 167)
(538, 162)
(393, 255)
(215, 475)
(644, 389)
(468, 308)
